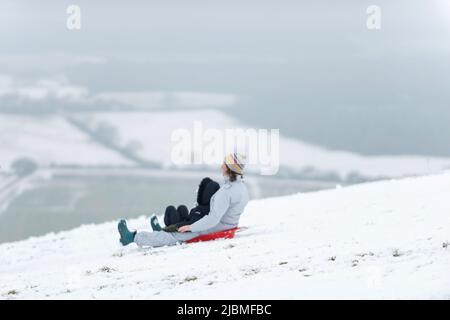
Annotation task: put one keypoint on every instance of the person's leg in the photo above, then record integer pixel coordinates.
(161, 238)
(171, 216)
(152, 239)
(171, 228)
(183, 212)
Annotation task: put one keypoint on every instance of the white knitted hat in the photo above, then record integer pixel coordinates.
(235, 162)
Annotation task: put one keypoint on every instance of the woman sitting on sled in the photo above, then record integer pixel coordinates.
(226, 206)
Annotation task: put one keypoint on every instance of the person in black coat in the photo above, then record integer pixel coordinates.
(181, 216)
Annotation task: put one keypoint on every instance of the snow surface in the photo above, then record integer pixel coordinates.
(383, 240)
(50, 140)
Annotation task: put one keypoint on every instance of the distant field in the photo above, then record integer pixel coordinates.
(53, 140)
(50, 139)
(67, 202)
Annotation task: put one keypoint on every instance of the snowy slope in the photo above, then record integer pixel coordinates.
(388, 239)
(152, 132)
(50, 140)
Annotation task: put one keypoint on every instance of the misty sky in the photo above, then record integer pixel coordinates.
(311, 69)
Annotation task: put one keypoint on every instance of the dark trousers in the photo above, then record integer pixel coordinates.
(176, 216)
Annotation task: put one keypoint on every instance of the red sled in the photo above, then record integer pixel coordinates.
(224, 234)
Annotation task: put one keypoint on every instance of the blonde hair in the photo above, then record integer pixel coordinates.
(233, 175)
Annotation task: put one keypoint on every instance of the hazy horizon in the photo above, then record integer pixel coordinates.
(313, 70)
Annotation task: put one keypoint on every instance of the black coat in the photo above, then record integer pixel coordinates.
(206, 190)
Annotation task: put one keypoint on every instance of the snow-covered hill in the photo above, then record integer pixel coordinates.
(50, 140)
(388, 239)
(151, 133)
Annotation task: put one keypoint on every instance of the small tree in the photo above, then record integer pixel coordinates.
(106, 132)
(24, 166)
(133, 147)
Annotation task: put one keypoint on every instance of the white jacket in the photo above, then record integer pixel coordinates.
(226, 207)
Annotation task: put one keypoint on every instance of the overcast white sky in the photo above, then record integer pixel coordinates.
(303, 53)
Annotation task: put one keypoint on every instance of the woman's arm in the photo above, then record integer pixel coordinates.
(219, 205)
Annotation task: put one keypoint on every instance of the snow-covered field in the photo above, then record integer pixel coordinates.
(151, 132)
(298, 154)
(50, 140)
(384, 240)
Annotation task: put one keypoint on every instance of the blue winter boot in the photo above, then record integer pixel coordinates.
(154, 223)
(126, 236)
